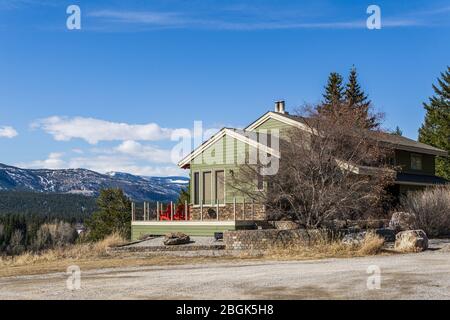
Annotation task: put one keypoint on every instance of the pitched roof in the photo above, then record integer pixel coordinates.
(397, 142)
(233, 133)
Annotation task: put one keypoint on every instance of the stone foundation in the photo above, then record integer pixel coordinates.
(226, 212)
(266, 239)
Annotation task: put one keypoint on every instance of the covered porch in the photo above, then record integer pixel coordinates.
(194, 220)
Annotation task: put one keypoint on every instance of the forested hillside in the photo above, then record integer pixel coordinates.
(67, 207)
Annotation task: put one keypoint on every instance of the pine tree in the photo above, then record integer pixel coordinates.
(334, 90)
(185, 195)
(435, 130)
(397, 131)
(354, 95)
(356, 99)
(114, 215)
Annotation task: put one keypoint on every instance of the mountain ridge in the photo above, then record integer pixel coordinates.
(88, 182)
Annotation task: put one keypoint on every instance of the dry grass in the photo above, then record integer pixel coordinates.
(70, 252)
(88, 256)
(96, 256)
(323, 247)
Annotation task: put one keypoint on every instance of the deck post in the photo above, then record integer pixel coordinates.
(201, 211)
(253, 209)
(243, 211)
(132, 211)
(185, 210)
(157, 210)
(234, 208)
(145, 211)
(171, 210)
(217, 209)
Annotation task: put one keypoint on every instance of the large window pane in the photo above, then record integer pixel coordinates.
(196, 188)
(416, 161)
(207, 187)
(220, 187)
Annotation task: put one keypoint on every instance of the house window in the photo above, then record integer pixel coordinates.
(207, 187)
(416, 161)
(196, 188)
(220, 187)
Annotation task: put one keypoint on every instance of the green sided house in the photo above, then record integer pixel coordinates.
(215, 207)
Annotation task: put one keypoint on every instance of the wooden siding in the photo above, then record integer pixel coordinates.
(403, 159)
(138, 231)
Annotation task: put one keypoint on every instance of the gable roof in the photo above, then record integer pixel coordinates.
(233, 133)
(397, 142)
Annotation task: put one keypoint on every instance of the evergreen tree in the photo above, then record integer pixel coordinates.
(435, 130)
(185, 195)
(397, 131)
(114, 215)
(354, 95)
(334, 90)
(356, 99)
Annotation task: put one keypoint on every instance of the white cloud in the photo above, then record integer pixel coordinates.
(146, 17)
(129, 156)
(53, 161)
(149, 153)
(7, 132)
(105, 164)
(95, 130)
(183, 20)
(268, 19)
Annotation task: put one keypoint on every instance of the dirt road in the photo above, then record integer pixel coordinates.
(410, 276)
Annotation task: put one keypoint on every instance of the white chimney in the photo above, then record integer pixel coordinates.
(279, 107)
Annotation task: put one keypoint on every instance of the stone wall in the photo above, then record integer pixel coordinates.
(265, 239)
(226, 212)
(284, 225)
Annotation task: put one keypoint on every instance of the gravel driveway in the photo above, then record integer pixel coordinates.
(410, 276)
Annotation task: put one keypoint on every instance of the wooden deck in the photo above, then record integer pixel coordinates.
(192, 228)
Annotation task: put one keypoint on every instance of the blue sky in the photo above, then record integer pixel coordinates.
(107, 97)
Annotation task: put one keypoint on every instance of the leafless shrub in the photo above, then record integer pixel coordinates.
(324, 244)
(56, 234)
(16, 243)
(330, 168)
(431, 208)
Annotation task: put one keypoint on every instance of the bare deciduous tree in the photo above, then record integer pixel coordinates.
(330, 168)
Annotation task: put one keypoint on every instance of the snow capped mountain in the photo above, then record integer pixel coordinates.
(90, 183)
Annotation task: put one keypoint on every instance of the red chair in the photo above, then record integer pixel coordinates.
(178, 215)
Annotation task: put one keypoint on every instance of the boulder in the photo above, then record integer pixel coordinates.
(387, 234)
(411, 241)
(176, 238)
(354, 238)
(402, 221)
(357, 237)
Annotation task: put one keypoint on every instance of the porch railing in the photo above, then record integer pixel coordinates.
(171, 212)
